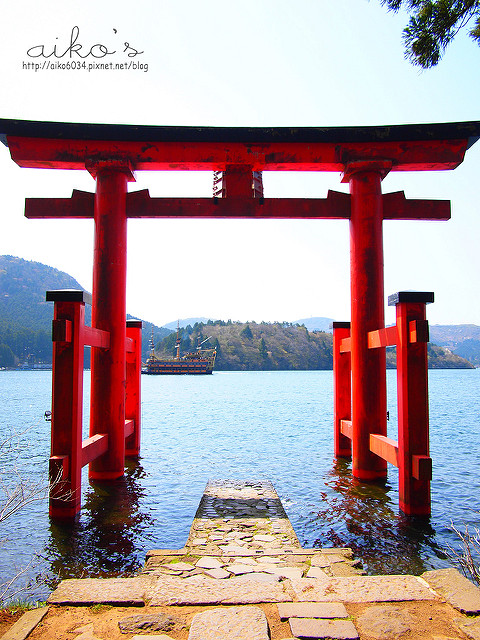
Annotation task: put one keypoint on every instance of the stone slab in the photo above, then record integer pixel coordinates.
(234, 623)
(344, 569)
(234, 549)
(455, 589)
(320, 562)
(330, 558)
(218, 574)
(89, 591)
(260, 576)
(287, 572)
(179, 566)
(239, 569)
(150, 622)
(260, 537)
(209, 563)
(24, 626)
(316, 572)
(320, 629)
(470, 627)
(362, 589)
(311, 610)
(385, 622)
(271, 560)
(201, 590)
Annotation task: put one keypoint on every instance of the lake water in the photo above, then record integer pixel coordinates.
(265, 425)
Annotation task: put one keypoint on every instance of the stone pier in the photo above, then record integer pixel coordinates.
(243, 575)
(241, 530)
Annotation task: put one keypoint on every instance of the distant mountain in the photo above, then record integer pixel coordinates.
(185, 322)
(312, 324)
(277, 346)
(462, 339)
(316, 324)
(25, 330)
(438, 358)
(23, 284)
(26, 318)
(255, 347)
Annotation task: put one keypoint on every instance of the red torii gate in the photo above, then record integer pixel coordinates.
(364, 155)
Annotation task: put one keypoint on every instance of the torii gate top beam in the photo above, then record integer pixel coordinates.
(422, 147)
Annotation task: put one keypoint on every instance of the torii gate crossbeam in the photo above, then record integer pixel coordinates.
(364, 155)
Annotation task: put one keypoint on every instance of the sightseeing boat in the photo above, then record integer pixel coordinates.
(196, 362)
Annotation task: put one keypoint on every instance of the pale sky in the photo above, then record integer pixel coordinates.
(244, 63)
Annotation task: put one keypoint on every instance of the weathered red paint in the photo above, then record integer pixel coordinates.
(107, 407)
(369, 392)
(336, 206)
(67, 400)
(411, 453)
(133, 388)
(68, 452)
(416, 155)
(412, 390)
(341, 389)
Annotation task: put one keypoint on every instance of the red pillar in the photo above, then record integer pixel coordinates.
(67, 402)
(369, 395)
(133, 390)
(415, 465)
(342, 389)
(107, 411)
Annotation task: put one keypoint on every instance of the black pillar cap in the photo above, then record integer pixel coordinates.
(410, 296)
(340, 325)
(69, 295)
(134, 324)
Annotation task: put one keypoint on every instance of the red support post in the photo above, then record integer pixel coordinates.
(369, 389)
(342, 389)
(133, 388)
(107, 413)
(412, 390)
(67, 400)
(238, 181)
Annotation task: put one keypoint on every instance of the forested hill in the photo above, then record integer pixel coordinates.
(26, 320)
(23, 284)
(25, 316)
(255, 347)
(462, 339)
(284, 346)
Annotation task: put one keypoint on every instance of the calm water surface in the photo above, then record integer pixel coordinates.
(266, 425)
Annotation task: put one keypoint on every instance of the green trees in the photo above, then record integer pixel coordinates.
(261, 346)
(246, 332)
(433, 25)
(7, 359)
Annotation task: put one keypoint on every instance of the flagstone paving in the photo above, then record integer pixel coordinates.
(243, 557)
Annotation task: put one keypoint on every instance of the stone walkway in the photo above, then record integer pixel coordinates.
(244, 575)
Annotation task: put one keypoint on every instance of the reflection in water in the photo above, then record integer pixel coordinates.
(107, 539)
(364, 517)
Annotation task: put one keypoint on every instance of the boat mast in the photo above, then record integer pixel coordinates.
(152, 345)
(177, 357)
